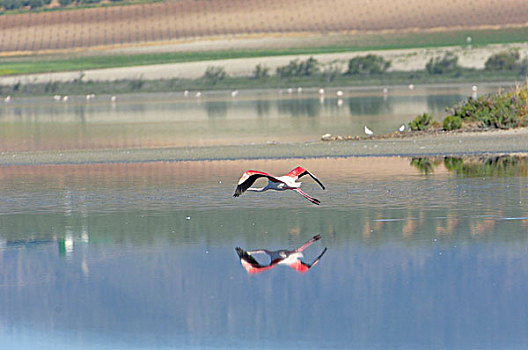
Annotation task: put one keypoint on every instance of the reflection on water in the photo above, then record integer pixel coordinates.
(216, 109)
(141, 255)
(170, 120)
(291, 258)
(495, 166)
(309, 107)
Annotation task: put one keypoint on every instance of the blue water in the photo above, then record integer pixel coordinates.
(106, 256)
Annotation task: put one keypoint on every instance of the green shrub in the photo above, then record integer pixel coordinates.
(214, 74)
(297, 68)
(260, 72)
(34, 4)
(452, 122)
(504, 60)
(500, 110)
(366, 65)
(422, 122)
(443, 65)
(11, 4)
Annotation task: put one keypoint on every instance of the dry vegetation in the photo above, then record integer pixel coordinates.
(176, 20)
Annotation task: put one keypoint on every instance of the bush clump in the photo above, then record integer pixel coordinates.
(367, 65)
(422, 122)
(503, 61)
(214, 74)
(260, 72)
(452, 122)
(501, 110)
(443, 65)
(297, 68)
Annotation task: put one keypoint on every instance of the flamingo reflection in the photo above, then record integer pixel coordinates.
(291, 258)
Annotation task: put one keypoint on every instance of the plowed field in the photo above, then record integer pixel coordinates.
(188, 19)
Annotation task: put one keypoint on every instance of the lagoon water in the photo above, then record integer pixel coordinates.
(171, 120)
(422, 253)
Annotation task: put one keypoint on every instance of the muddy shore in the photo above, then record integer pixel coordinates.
(448, 144)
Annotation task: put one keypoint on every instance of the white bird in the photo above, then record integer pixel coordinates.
(290, 90)
(7, 99)
(385, 91)
(234, 93)
(411, 86)
(113, 99)
(299, 90)
(368, 131)
(198, 94)
(186, 93)
(281, 183)
(339, 93)
(65, 98)
(401, 128)
(474, 89)
(57, 97)
(321, 91)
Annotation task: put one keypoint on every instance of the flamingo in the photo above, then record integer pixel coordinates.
(291, 258)
(281, 183)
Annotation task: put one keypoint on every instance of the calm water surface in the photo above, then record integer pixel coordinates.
(169, 120)
(142, 256)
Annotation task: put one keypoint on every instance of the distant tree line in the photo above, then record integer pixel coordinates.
(35, 4)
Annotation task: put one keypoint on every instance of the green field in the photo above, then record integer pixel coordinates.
(31, 64)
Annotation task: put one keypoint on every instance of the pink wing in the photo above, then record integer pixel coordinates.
(248, 178)
(300, 172)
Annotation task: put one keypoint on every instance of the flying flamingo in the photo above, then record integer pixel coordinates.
(291, 258)
(281, 183)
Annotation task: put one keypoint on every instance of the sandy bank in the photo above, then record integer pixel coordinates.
(509, 141)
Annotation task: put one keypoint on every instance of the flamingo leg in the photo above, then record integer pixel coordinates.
(318, 258)
(310, 198)
(308, 243)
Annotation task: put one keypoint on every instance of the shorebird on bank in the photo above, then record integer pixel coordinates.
(281, 183)
(368, 131)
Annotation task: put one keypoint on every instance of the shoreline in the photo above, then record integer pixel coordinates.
(513, 141)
